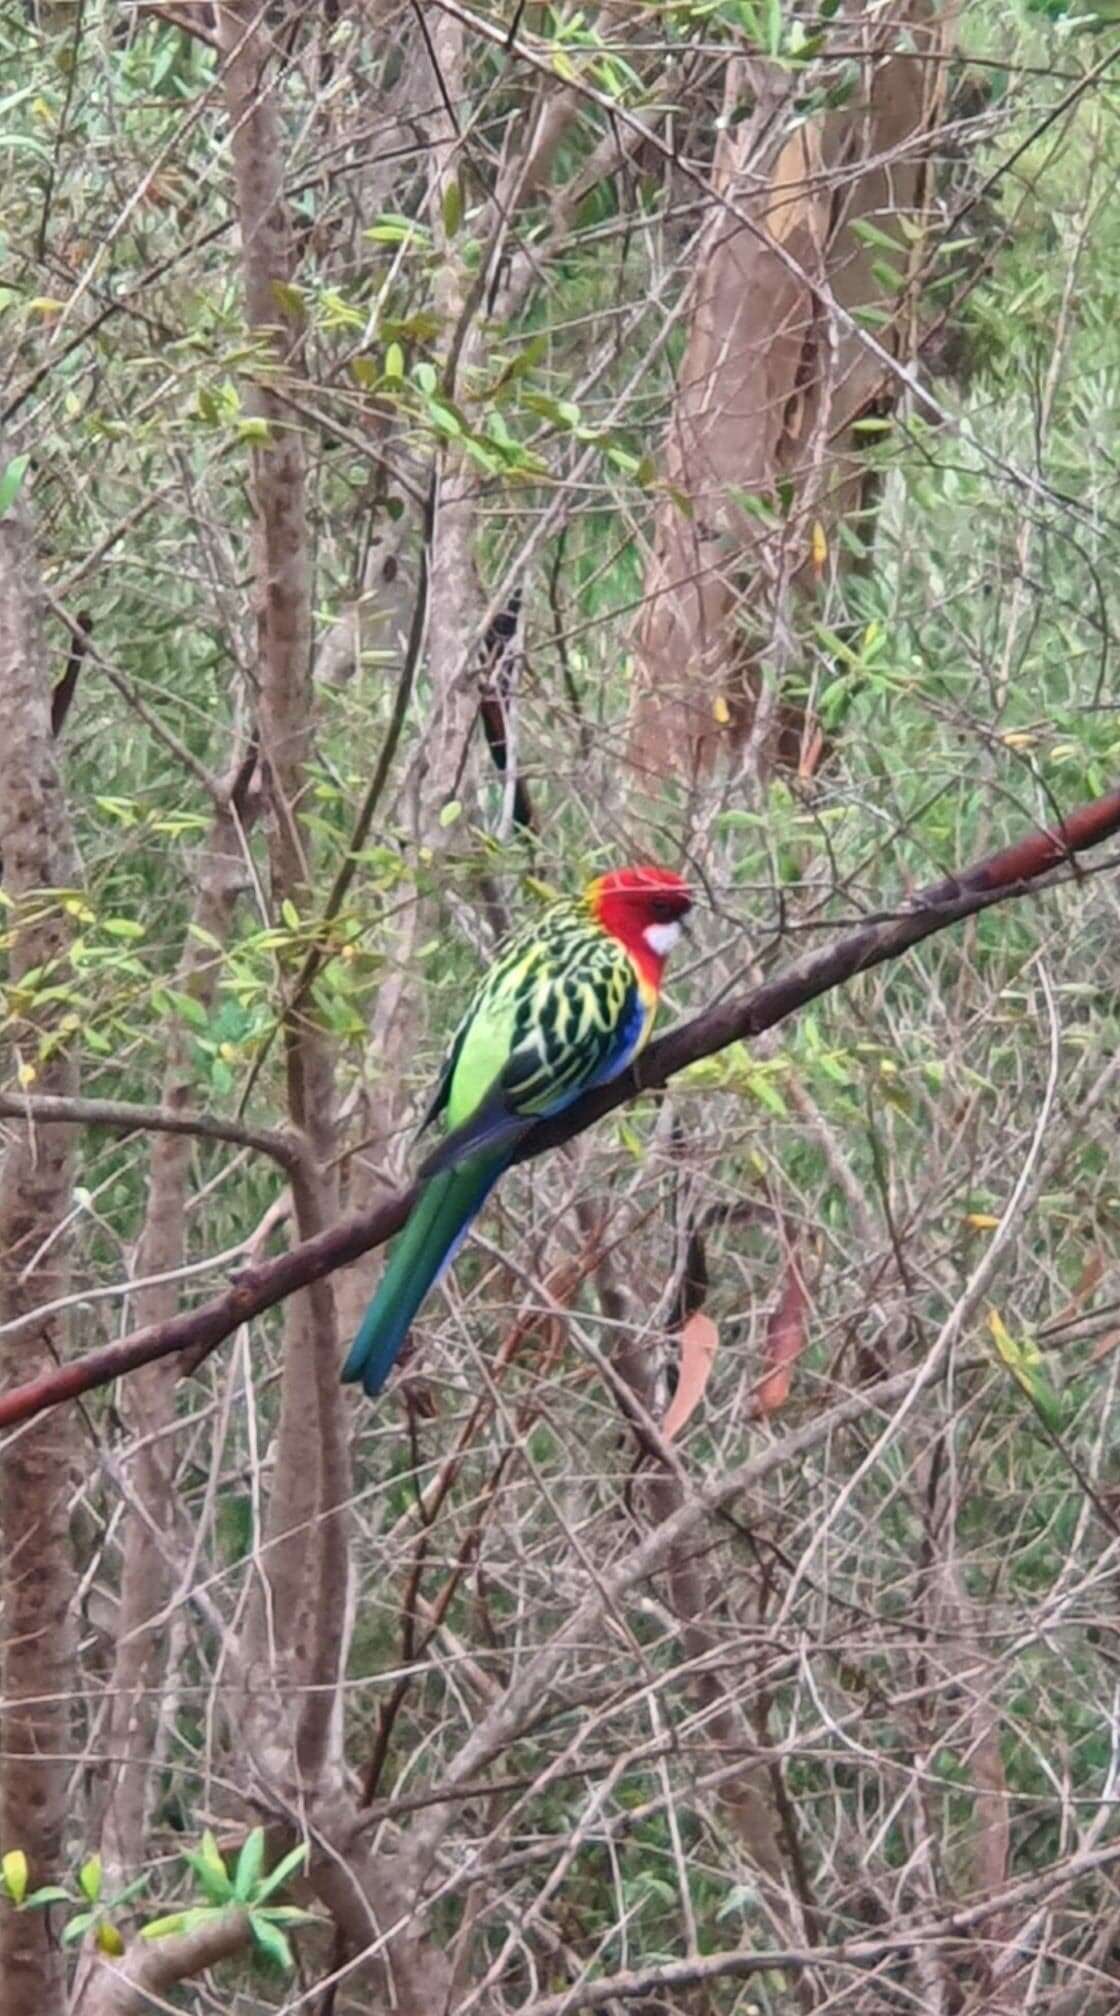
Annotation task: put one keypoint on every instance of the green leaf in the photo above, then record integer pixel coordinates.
(162, 1928)
(393, 229)
(759, 507)
(767, 1094)
(872, 235)
(250, 1862)
(271, 1940)
(192, 1011)
(630, 1138)
(290, 914)
(293, 1860)
(13, 1868)
(132, 1889)
(450, 812)
(210, 1869)
(89, 1878)
(394, 361)
(181, 1921)
(122, 927)
(452, 207)
(445, 417)
(1025, 1363)
(10, 482)
(76, 1926)
(49, 1893)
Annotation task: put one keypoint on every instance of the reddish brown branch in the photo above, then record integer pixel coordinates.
(1012, 872)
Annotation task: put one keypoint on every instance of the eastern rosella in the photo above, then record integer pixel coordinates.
(567, 1005)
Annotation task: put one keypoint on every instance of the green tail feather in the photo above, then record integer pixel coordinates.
(429, 1242)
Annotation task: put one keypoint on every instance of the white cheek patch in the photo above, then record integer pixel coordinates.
(661, 938)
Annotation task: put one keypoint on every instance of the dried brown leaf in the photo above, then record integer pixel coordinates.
(786, 1336)
(699, 1342)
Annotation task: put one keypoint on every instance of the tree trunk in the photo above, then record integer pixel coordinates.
(761, 460)
(36, 1176)
(146, 1575)
(297, 1624)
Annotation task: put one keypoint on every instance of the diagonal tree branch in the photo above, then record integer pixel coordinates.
(1012, 872)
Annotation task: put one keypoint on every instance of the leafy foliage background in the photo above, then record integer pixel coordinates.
(920, 1646)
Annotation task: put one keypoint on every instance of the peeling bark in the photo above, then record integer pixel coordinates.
(770, 386)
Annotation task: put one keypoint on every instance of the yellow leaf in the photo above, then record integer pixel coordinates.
(818, 547)
(721, 712)
(981, 1221)
(159, 1928)
(287, 297)
(27, 1074)
(109, 1941)
(13, 1867)
(1005, 1344)
(45, 305)
(1019, 738)
(1025, 1363)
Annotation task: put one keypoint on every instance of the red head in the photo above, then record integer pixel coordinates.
(643, 908)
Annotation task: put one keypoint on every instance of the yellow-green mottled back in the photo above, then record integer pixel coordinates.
(564, 1007)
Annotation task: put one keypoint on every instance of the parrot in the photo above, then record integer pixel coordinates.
(567, 1005)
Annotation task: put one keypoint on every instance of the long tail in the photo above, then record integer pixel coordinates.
(429, 1242)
